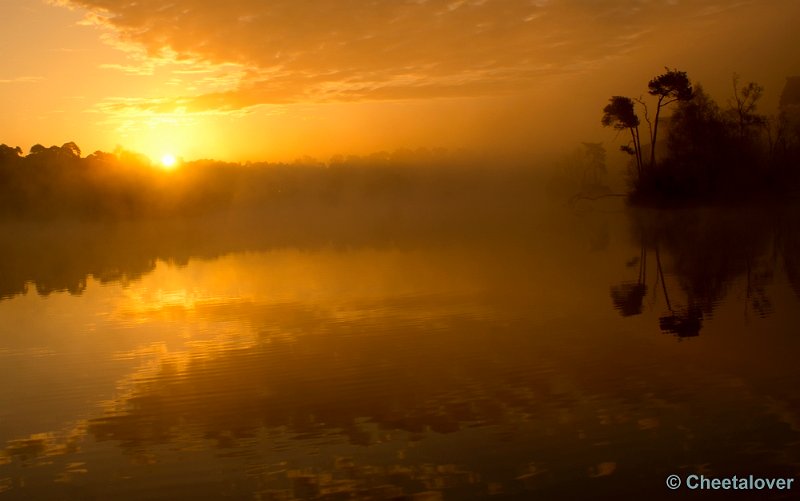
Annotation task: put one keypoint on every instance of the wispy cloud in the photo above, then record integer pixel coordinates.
(251, 52)
(141, 69)
(22, 79)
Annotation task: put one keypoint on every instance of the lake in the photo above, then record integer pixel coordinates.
(585, 353)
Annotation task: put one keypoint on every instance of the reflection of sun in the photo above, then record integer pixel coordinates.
(168, 161)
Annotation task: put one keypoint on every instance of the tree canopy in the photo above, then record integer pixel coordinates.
(620, 114)
(711, 151)
(671, 86)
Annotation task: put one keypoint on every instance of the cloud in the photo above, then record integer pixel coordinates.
(351, 50)
(22, 79)
(132, 69)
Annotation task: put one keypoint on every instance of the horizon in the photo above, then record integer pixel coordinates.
(251, 83)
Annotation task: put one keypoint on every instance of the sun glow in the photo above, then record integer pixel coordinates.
(168, 161)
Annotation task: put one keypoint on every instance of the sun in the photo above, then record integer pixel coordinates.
(168, 161)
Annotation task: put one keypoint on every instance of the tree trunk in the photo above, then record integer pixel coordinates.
(639, 160)
(663, 283)
(655, 135)
(636, 153)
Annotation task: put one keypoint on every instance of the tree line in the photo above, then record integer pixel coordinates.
(57, 182)
(713, 153)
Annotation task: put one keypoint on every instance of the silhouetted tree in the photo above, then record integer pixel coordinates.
(790, 96)
(669, 87)
(71, 149)
(789, 118)
(101, 156)
(7, 152)
(37, 149)
(743, 107)
(580, 174)
(620, 114)
(720, 155)
(700, 144)
(595, 170)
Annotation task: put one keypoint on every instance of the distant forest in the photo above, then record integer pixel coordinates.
(712, 153)
(56, 182)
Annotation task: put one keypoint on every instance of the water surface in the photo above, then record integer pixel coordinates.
(584, 354)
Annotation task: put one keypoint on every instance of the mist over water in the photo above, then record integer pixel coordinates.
(562, 352)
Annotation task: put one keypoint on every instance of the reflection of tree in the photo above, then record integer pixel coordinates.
(629, 296)
(64, 218)
(685, 323)
(790, 247)
(61, 258)
(759, 276)
(707, 252)
(373, 387)
(793, 271)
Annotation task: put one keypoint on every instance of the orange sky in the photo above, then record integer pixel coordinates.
(258, 80)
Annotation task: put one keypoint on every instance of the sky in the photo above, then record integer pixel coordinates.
(276, 80)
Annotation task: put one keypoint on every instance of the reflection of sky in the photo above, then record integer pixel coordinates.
(272, 365)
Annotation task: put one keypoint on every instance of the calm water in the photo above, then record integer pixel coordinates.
(586, 355)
